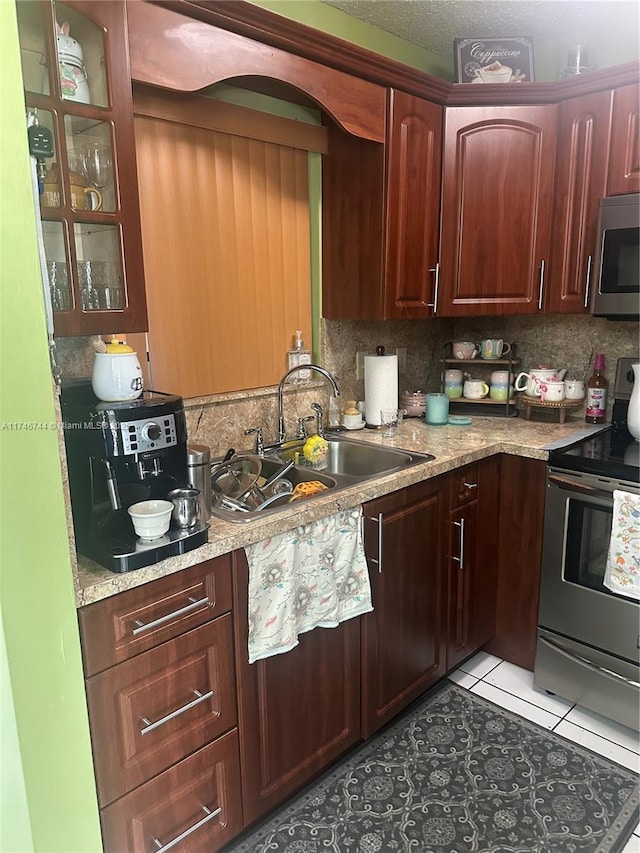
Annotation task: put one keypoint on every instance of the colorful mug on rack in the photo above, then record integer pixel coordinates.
(475, 389)
(494, 348)
(465, 349)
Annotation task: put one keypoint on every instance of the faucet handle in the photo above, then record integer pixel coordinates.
(302, 431)
(317, 408)
(259, 446)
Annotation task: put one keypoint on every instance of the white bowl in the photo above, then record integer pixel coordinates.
(151, 519)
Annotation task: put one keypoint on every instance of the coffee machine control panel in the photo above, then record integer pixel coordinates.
(149, 434)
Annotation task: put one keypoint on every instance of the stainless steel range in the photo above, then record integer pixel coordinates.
(588, 647)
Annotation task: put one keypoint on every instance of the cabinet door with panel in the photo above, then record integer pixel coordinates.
(298, 712)
(75, 66)
(381, 217)
(497, 178)
(403, 639)
(582, 159)
(413, 206)
(624, 163)
(472, 558)
(521, 517)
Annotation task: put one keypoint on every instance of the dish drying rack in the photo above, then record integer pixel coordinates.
(485, 407)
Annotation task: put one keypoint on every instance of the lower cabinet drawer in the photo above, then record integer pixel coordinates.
(151, 711)
(464, 485)
(194, 807)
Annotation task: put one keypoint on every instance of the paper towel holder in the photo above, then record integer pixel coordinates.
(380, 351)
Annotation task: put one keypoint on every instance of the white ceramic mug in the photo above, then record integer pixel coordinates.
(494, 348)
(475, 389)
(551, 392)
(574, 389)
(465, 349)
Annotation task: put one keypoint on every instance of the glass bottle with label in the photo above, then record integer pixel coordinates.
(597, 393)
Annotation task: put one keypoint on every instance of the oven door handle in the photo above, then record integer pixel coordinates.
(589, 664)
(573, 486)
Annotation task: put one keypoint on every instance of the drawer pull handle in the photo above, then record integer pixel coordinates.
(460, 560)
(209, 815)
(470, 485)
(200, 697)
(194, 605)
(378, 562)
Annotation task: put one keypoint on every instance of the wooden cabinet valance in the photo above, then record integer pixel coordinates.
(179, 53)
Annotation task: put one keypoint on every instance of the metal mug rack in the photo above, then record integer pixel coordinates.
(484, 407)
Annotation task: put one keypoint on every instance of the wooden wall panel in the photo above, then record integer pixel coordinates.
(225, 228)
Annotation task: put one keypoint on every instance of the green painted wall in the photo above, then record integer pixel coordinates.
(36, 597)
(344, 26)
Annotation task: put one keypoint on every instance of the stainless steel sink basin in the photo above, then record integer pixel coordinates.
(349, 462)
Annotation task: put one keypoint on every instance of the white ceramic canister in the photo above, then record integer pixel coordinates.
(530, 382)
(116, 377)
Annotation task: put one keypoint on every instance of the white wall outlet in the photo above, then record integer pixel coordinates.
(359, 365)
(401, 352)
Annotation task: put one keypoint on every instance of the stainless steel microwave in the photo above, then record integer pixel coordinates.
(617, 258)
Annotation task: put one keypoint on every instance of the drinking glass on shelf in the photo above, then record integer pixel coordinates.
(98, 164)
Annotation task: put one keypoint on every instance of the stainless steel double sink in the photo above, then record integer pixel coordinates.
(349, 462)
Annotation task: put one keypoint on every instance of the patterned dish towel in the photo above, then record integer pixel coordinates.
(622, 574)
(312, 577)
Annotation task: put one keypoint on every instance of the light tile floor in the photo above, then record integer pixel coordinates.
(512, 687)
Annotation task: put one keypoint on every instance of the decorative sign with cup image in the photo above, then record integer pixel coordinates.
(493, 60)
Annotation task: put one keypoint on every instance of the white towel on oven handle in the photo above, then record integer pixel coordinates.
(622, 572)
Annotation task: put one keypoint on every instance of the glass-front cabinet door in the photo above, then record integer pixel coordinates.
(78, 96)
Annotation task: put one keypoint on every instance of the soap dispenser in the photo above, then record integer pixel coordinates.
(298, 356)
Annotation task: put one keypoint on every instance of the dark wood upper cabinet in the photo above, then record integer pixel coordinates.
(497, 185)
(413, 207)
(582, 157)
(624, 164)
(381, 217)
(79, 84)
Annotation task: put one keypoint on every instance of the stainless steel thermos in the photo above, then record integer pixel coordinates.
(199, 476)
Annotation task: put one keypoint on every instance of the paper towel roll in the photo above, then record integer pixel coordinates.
(380, 386)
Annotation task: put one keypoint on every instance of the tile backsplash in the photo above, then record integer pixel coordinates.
(558, 340)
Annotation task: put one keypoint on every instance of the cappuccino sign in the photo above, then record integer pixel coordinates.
(493, 60)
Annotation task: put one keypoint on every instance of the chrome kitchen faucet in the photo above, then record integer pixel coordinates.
(328, 376)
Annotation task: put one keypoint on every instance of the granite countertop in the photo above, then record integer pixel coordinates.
(452, 446)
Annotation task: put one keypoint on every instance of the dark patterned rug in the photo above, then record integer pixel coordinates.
(455, 774)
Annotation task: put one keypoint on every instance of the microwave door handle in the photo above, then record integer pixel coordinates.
(572, 486)
(588, 663)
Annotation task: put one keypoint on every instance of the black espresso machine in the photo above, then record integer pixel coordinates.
(119, 454)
